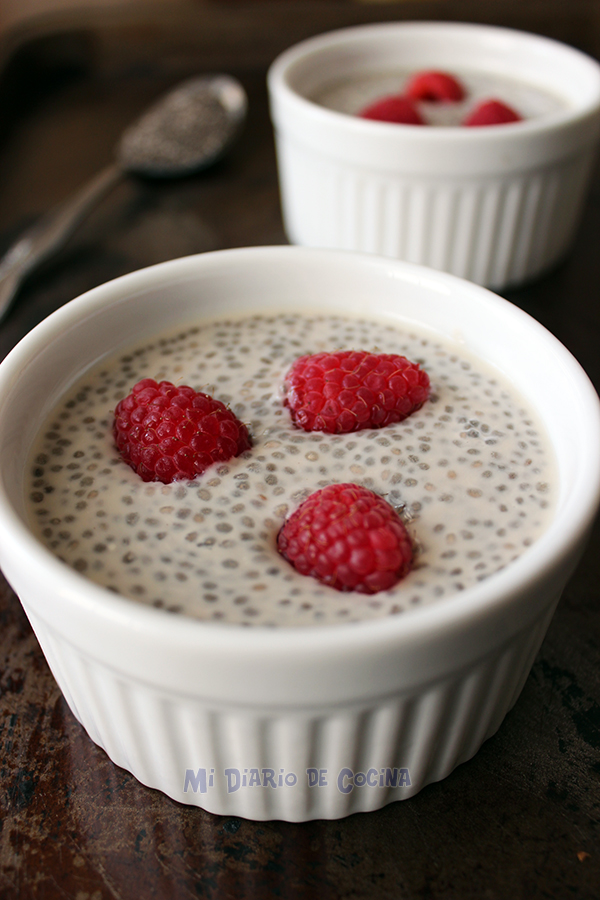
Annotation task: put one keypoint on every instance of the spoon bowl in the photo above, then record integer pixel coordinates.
(187, 129)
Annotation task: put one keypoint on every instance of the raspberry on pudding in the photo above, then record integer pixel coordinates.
(167, 433)
(492, 112)
(435, 87)
(395, 108)
(348, 538)
(353, 389)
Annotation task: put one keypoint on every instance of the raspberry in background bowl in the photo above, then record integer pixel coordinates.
(377, 709)
(497, 205)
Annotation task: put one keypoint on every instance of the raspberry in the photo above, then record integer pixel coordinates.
(166, 433)
(436, 87)
(492, 112)
(352, 390)
(348, 538)
(396, 109)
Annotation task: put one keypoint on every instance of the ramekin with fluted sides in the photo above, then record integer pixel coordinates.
(343, 718)
(498, 205)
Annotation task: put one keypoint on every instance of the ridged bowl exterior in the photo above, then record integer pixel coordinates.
(494, 231)
(162, 737)
(495, 205)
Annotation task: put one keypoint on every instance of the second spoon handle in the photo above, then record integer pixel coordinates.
(50, 233)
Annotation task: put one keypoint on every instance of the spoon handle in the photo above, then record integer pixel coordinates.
(49, 234)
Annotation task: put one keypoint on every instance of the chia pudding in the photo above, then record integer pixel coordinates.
(471, 473)
(350, 95)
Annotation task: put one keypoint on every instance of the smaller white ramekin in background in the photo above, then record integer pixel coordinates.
(497, 205)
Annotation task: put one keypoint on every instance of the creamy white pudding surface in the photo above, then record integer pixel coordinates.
(351, 95)
(471, 473)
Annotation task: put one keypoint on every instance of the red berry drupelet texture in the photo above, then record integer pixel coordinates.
(352, 390)
(168, 433)
(435, 87)
(348, 538)
(396, 108)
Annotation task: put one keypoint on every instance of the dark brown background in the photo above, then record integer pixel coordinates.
(522, 818)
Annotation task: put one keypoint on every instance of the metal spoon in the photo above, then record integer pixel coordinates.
(186, 130)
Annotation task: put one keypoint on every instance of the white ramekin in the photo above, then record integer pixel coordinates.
(416, 693)
(498, 205)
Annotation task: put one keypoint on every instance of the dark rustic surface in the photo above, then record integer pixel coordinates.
(522, 818)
